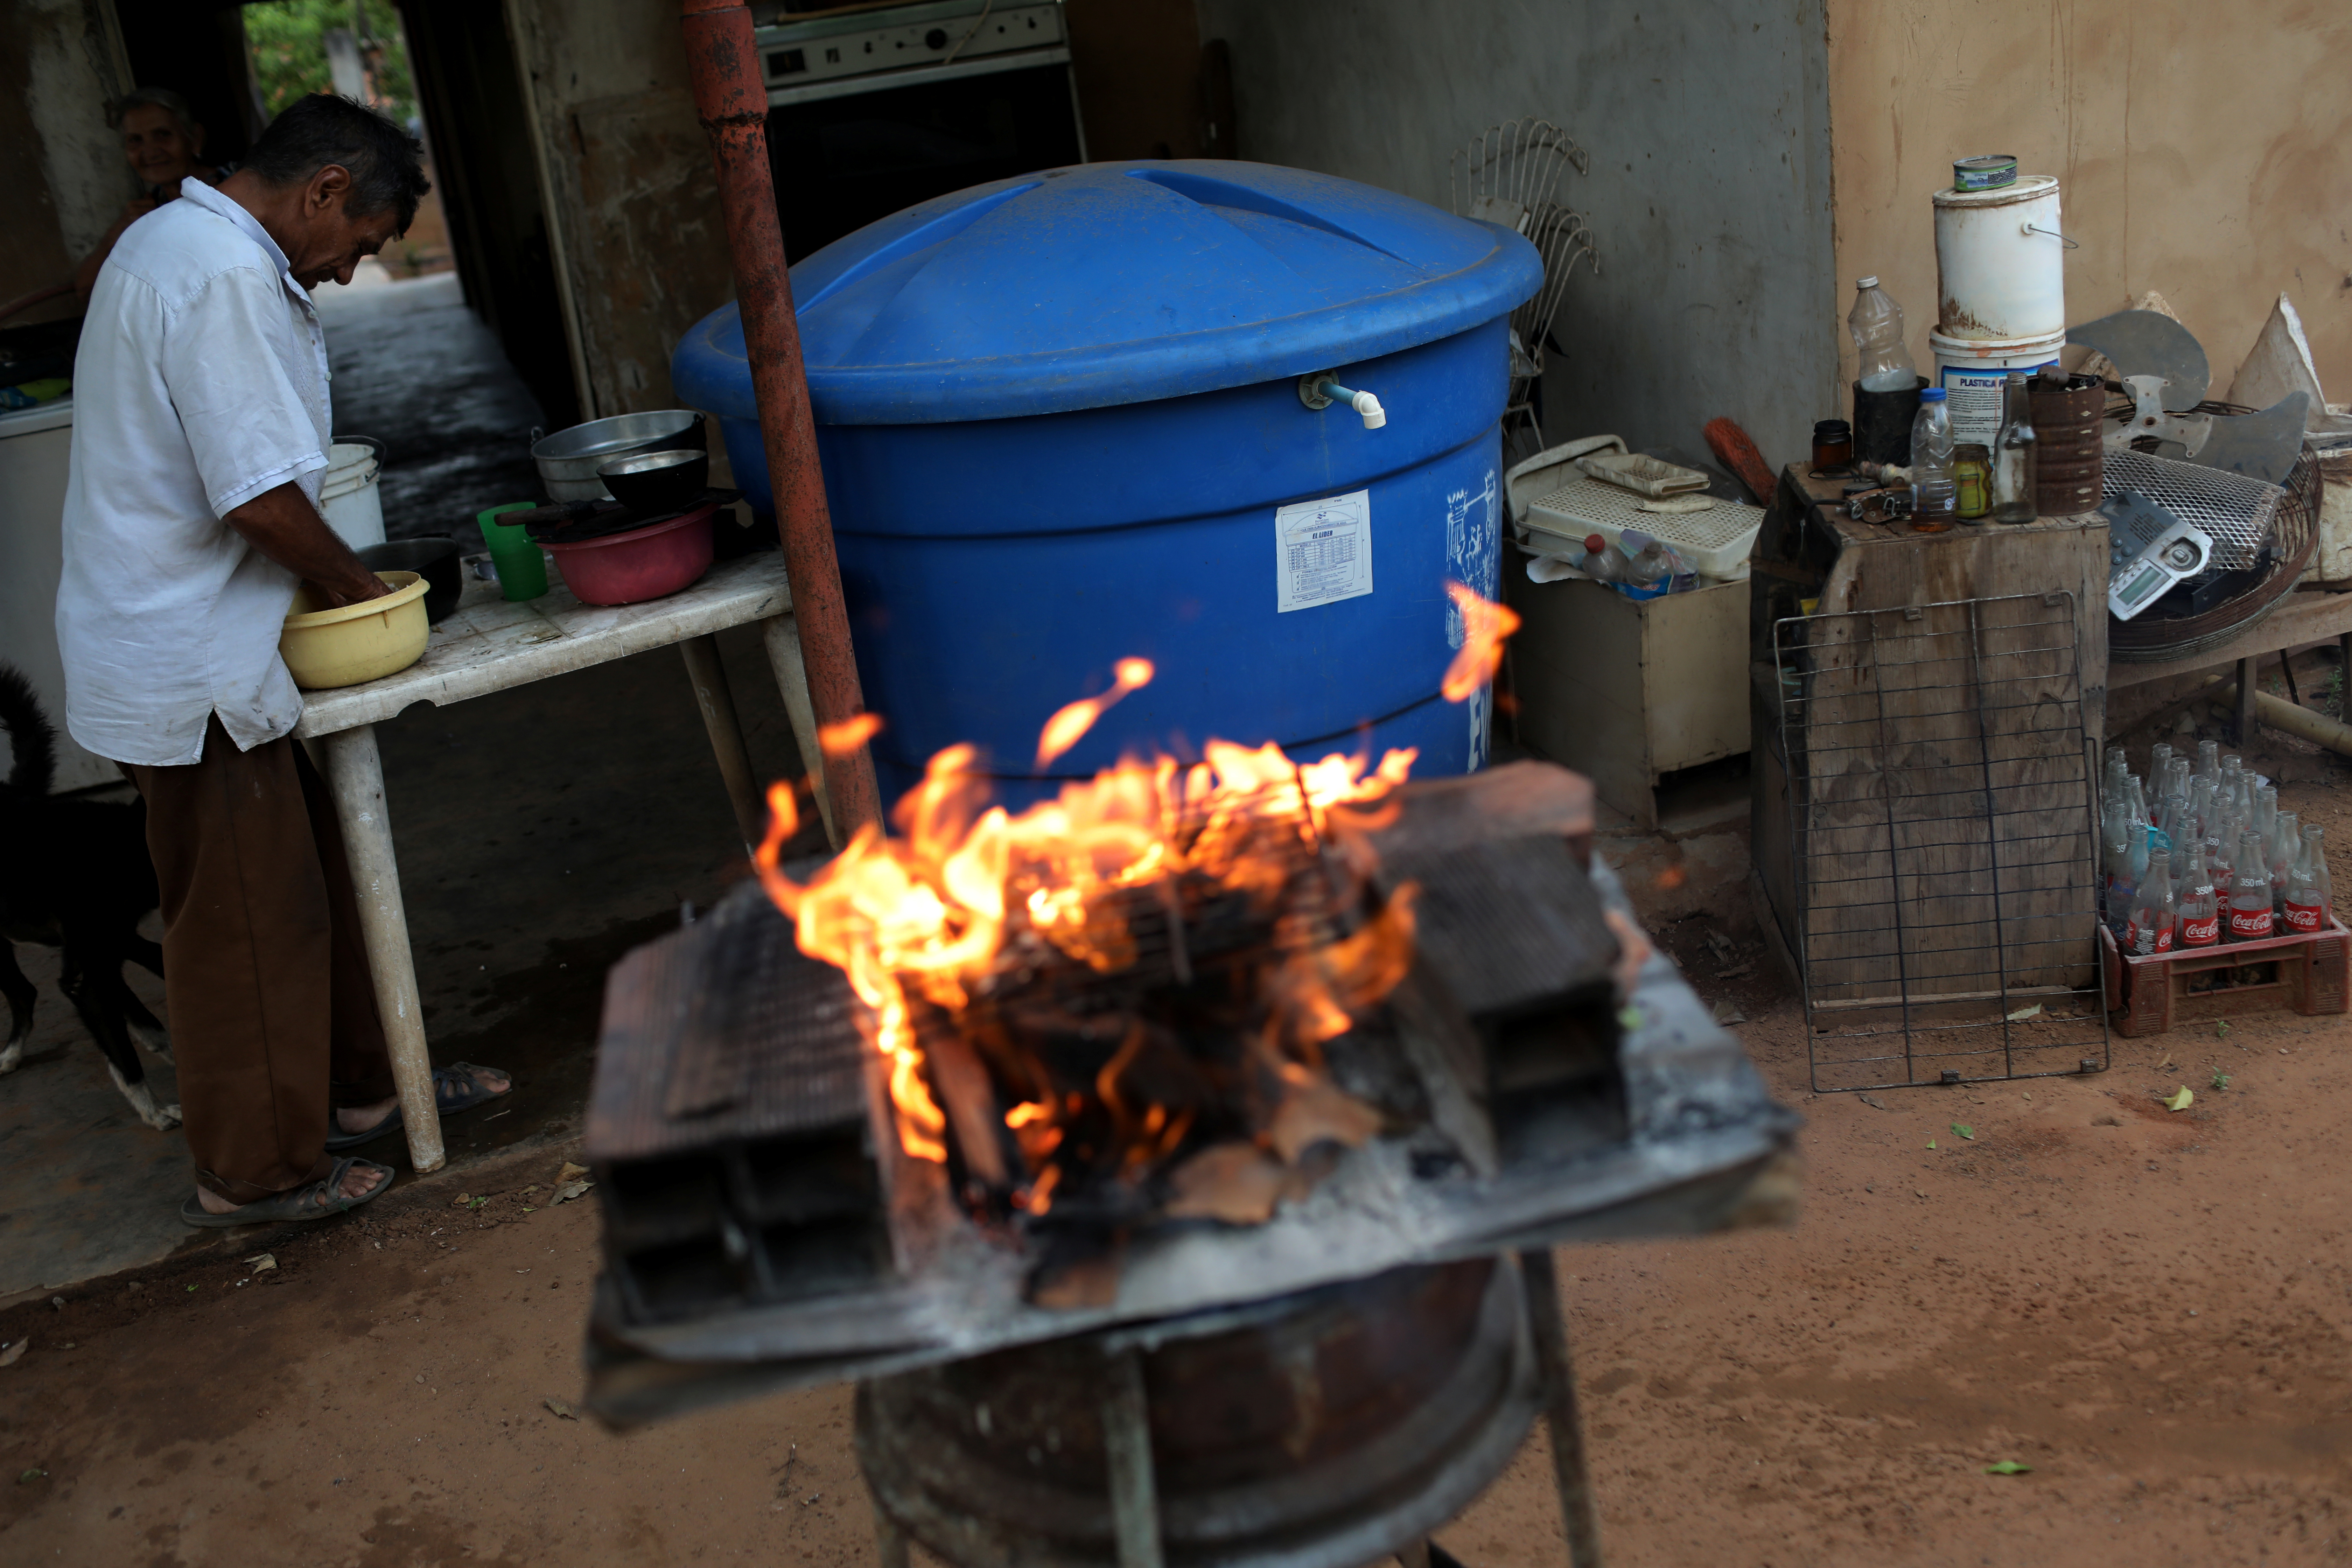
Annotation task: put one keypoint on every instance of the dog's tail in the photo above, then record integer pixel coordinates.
(31, 738)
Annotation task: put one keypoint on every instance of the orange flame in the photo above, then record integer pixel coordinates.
(1069, 725)
(841, 739)
(1485, 625)
(926, 915)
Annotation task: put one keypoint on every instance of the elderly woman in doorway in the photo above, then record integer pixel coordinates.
(165, 145)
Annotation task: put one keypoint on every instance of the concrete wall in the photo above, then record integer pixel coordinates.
(66, 180)
(1709, 195)
(2205, 152)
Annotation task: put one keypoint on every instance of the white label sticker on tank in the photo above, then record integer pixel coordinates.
(1323, 551)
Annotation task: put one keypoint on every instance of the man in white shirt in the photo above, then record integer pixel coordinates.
(200, 432)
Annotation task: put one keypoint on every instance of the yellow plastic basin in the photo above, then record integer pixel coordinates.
(358, 642)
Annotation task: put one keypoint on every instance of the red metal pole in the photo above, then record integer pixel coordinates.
(733, 104)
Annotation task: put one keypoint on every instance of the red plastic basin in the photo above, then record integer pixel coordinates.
(643, 564)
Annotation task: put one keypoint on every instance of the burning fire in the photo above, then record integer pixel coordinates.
(955, 913)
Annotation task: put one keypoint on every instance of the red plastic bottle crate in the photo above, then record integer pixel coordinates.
(2305, 973)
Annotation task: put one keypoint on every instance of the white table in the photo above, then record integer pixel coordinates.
(489, 644)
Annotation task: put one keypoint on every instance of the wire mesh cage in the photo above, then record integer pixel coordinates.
(1940, 782)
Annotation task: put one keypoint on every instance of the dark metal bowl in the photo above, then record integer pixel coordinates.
(435, 559)
(650, 482)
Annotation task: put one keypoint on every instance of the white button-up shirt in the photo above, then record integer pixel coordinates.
(201, 382)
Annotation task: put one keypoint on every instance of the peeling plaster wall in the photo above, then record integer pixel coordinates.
(1709, 192)
(2204, 152)
(59, 65)
(640, 249)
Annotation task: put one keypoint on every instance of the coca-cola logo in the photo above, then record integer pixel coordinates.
(2200, 933)
(2249, 923)
(2303, 917)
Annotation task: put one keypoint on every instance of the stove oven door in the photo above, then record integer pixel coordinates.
(842, 162)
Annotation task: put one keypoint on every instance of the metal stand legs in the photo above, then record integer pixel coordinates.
(1126, 1443)
(1548, 1325)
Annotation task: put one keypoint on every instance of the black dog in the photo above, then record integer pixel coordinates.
(74, 875)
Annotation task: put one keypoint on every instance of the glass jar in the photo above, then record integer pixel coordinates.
(1833, 444)
(1972, 477)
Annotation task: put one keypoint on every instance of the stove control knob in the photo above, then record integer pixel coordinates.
(936, 38)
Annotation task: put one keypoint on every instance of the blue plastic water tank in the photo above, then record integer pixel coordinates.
(1060, 422)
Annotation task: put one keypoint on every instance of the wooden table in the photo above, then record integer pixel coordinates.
(2304, 617)
(489, 645)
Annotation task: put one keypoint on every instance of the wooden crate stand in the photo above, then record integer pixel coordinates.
(2307, 974)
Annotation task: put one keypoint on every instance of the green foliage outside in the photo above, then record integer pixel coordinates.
(286, 39)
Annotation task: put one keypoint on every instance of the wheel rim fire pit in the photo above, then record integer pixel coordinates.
(1319, 1430)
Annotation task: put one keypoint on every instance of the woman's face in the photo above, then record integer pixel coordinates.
(158, 149)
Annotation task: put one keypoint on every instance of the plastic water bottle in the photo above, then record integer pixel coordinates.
(1883, 363)
(1935, 491)
(1636, 562)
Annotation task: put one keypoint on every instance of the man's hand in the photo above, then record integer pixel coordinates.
(283, 525)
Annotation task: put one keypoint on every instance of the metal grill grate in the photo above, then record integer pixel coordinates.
(2241, 513)
(1939, 780)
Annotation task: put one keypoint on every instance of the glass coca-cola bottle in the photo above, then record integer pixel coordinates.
(2250, 891)
(2281, 850)
(2154, 909)
(2309, 897)
(2301, 914)
(2198, 921)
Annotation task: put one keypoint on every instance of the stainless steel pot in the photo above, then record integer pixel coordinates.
(567, 461)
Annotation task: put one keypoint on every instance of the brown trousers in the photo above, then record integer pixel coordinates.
(273, 1015)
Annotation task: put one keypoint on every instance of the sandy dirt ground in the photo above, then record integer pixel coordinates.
(2148, 1308)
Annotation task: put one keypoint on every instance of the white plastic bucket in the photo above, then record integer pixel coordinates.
(1973, 374)
(2001, 262)
(347, 493)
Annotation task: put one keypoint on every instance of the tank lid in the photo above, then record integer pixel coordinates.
(1115, 283)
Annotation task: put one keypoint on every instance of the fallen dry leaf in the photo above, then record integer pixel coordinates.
(1235, 1182)
(570, 1190)
(563, 1410)
(570, 1170)
(15, 1353)
(2182, 1099)
(463, 1200)
(261, 1261)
